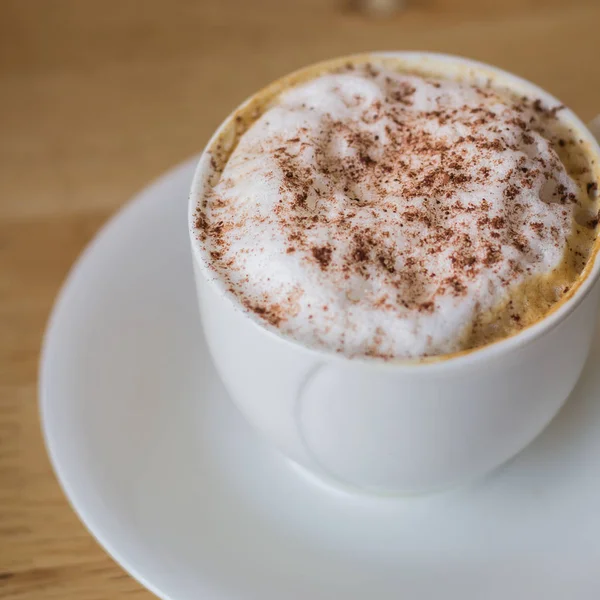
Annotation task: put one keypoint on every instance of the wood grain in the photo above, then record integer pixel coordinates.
(97, 98)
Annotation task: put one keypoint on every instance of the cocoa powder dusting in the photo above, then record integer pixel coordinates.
(322, 255)
(378, 200)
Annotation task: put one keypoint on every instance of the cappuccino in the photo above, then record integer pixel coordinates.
(375, 211)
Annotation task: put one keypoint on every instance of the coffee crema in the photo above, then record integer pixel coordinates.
(376, 212)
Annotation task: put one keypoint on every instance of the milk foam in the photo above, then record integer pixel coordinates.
(376, 213)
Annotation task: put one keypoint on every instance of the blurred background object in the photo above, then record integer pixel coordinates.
(98, 97)
(378, 8)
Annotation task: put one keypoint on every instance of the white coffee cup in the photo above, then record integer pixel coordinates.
(402, 426)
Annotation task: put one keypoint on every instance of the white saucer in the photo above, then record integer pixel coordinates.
(178, 489)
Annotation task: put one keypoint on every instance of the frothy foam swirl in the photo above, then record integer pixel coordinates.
(377, 213)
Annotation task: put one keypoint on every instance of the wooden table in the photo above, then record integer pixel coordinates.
(97, 97)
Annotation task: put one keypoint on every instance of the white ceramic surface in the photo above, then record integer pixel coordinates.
(398, 427)
(171, 480)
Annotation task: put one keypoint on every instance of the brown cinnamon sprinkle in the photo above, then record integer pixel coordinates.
(424, 198)
(445, 170)
(322, 255)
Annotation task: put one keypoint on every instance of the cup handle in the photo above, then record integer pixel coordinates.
(307, 391)
(336, 433)
(345, 420)
(594, 127)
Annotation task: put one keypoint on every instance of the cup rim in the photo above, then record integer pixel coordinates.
(556, 315)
